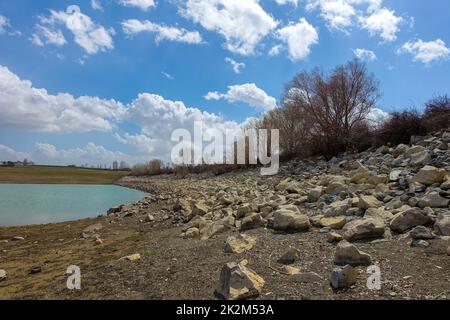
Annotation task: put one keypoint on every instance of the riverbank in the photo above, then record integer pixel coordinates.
(389, 208)
(58, 175)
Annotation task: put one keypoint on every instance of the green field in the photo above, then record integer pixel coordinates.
(58, 175)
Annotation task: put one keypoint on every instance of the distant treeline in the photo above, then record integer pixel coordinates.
(328, 113)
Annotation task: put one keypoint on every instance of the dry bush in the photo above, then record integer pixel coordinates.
(400, 127)
(437, 113)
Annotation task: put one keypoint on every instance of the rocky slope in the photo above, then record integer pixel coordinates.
(317, 230)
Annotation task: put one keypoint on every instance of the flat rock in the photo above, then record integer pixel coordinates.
(239, 244)
(366, 202)
(442, 225)
(35, 269)
(347, 253)
(368, 228)
(291, 270)
(408, 219)
(333, 222)
(285, 220)
(429, 175)
(238, 282)
(343, 277)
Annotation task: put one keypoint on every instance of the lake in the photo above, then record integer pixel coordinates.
(24, 204)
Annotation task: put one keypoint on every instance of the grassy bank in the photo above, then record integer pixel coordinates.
(58, 175)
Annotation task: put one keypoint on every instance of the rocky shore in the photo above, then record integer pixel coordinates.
(316, 230)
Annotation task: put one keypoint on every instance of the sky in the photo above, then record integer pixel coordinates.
(93, 81)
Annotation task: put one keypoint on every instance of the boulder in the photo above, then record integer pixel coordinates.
(114, 210)
(192, 233)
(408, 219)
(252, 221)
(360, 175)
(343, 277)
(413, 150)
(199, 209)
(366, 202)
(442, 225)
(434, 200)
(243, 210)
(285, 220)
(367, 228)
(347, 253)
(429, 175)
(415, 243)
(213, 228)
(378, 213)
(238, 282)
(337, 208)
(420, 158)
(335, 187)
(239, 244)
(333, 222)
(421, 233)
(314, 194)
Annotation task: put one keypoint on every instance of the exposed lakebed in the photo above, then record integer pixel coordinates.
(24, 204)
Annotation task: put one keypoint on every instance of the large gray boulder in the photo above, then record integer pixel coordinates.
(408, 219)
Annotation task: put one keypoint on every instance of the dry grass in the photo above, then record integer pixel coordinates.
(58, 175)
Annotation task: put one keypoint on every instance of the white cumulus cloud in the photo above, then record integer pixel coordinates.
(28, 108)
(426, 52)
(90, 36)
(299, 38)
(141, 4)
(365, 54)
(384, 23)
(133, 27)
(247, 93)
(243, 23)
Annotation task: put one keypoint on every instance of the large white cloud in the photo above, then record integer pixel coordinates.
(141, 4)
(243, 23)
(133, 26)
(90, 36)
(247, 93)
(9, 154)
(299, 38)
(426, 52)
(384, 23)
(340, 14)
(28, 108)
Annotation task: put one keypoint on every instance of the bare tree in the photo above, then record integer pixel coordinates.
(336, 104)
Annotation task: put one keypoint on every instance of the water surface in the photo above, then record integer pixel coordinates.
(24, 204)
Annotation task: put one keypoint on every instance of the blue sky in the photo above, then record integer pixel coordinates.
(144, 68)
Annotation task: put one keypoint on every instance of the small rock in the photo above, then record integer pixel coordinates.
(434, 200)
(347, 253)
(289, 257)
(252, 221)
(448, 251)
(238, 282)
(442, 225)
(333, 222)
(93, 228)
(343, 277)
(3, 275)
(421, 233)
(366, 202)
(314, 194)
(116, 209)
(133, 257)
(149, 218)
(291, 270)
(334, 237)
(192, 233)
(35, 269)
(419, 244)
(239, 244)
(199, 209)
(17, 238)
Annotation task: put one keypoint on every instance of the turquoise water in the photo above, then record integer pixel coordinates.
(24, 204)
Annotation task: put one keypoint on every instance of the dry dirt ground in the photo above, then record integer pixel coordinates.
(175, 268)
